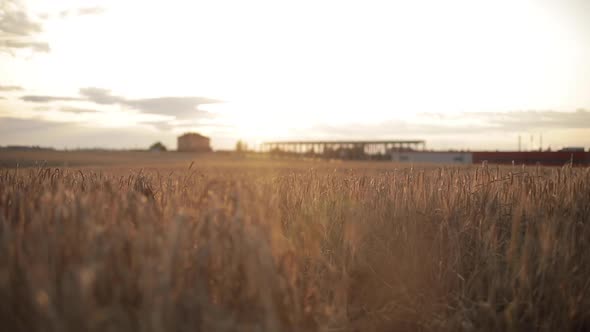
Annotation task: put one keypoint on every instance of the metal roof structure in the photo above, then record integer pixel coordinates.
(355, 147)
(349, 142)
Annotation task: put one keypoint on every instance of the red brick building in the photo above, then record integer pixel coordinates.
(193, 142)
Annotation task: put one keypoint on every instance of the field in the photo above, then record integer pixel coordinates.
(176, 242)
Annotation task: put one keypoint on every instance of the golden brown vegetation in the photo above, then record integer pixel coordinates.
(295, 249)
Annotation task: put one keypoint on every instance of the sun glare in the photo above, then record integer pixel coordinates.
(386, 62)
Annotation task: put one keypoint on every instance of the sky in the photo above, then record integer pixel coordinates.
(461, 74)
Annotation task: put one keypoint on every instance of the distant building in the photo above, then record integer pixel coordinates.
(442, 157)
(193, 142)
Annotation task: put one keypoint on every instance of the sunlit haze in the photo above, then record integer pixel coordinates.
(459, 74)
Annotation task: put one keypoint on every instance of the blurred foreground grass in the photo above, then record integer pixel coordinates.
(294, 246)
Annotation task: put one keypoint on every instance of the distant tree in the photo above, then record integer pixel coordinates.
(158, 146)
(241, 146)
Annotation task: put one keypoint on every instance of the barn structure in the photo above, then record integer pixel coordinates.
(193, 142)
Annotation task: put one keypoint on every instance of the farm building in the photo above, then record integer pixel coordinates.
(442, 157)
(193, 142)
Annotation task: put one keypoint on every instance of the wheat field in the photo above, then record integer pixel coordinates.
(238, 245)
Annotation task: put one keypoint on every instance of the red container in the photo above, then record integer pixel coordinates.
(533, 158)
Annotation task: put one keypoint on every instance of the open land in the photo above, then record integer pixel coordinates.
(117, 241)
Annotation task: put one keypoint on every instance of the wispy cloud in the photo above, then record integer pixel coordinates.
(48, 99)
(440, 124)
(10, 88)
(519, 120)
(10, 126)
(182, 107)
(16, 22)
(76, 110)
(37, 131)
(100, 96)
(11, 45)
(18, 30)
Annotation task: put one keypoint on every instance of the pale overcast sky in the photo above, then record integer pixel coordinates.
(458, 73)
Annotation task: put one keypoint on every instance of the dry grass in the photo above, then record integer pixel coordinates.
(294, 249)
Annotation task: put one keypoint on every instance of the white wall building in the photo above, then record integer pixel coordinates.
(418, 157)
